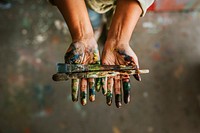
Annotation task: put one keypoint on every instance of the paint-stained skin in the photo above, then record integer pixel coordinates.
(126, 90)
(83, 96)
(120, 56)
(75, 87)
(129, 61)
(96, 57)
(118, 100)
(91, 89)
(109, 97)
(80, 53)
(98, 84)
(74, 54)
(126, 79)
(104, 85)
(109, 94)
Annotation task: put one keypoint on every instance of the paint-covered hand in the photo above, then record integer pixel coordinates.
(118, 55)
(83, 52)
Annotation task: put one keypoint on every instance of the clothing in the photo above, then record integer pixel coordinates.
(103, 6)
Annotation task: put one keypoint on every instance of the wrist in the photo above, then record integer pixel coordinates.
(87, 41)
(114, 43)
(81, 36)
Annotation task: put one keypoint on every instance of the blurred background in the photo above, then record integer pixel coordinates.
(34, 37)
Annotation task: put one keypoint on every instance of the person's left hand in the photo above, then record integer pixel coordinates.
(118, 55)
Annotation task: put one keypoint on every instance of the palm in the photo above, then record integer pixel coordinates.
(118, 56)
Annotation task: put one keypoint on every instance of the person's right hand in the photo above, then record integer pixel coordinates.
(83, 52)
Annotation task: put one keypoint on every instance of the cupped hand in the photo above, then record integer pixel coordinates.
(118, 55)
(84, 52)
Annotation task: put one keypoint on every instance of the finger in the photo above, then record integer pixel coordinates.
(96, 56)
(137, 76)
(126, 88)
(74, 89)
(91, 83)
(117, 91)
(98, 84)
(104, 85)
(83, 93)
(109, 94)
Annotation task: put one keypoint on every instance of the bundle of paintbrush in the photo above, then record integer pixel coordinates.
(77, 71)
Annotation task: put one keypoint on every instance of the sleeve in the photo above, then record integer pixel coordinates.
(145, 4)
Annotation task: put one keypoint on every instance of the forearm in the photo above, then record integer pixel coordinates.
(76, 16)
(124, 21)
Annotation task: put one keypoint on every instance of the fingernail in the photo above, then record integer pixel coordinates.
(83, 98)
(137, 77)
(126, 90)
(127, 99)
(118, 100)
(92, 98)
(118, 104)
(109, 96)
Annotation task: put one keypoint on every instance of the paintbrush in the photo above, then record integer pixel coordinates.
(77, 71)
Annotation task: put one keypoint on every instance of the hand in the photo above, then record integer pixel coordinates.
(118, 55)
(83, 52)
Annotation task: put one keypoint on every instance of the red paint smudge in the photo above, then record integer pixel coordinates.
(152, 7)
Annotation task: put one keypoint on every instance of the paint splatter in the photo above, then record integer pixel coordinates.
(75, 87)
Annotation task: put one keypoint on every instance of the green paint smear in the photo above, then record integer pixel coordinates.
(126, 86)
(109, 94)
(98, 84)
(83, 95)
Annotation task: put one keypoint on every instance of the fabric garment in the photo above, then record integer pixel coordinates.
(103, 6)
